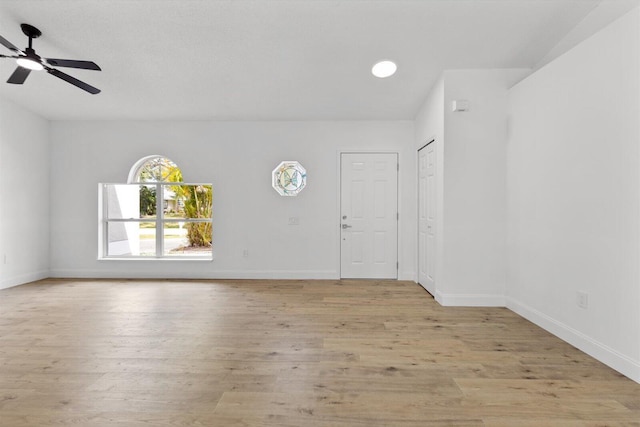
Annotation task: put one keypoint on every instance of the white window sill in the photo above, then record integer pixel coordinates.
(190, 259)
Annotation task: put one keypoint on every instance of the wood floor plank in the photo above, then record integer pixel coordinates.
(247, 353)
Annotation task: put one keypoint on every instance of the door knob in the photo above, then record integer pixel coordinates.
(345, 226)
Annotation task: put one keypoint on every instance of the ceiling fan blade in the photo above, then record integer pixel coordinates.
(6, 43)
(67, 78)
(19, 76)
(85, 65)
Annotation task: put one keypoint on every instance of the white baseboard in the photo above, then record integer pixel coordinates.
(610, 357)
(407, 275)
(185, 274)
(21, 279)
(469, 300)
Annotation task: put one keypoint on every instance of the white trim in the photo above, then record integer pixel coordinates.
(469, 300)
(207, 275)
(159, 220)
(407, 275)
(605, 354)
(156, 258)
(152, 183)
(21, 279)
(417, 207)
(163, 220)
(338, 218)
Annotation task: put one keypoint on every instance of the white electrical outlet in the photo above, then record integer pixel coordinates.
(245, 253)
(583, 299)
(294, 220)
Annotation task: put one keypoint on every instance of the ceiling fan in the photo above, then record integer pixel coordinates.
(28, 60)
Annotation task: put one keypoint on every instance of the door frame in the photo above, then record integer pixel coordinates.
(337, 222)
(430, 141)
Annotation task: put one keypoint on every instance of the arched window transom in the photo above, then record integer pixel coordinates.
(155, 169)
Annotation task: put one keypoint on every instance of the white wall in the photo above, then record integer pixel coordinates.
(603, 14)
(471, 175)
(24, 196)
(573, 191)
(475, 186)
(237, 157)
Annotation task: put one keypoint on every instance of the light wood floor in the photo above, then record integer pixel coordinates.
(287, 353)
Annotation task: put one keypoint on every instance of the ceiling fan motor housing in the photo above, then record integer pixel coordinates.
(31, 54)
(30, 31)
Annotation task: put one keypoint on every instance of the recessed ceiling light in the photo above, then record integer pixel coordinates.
(384, 69)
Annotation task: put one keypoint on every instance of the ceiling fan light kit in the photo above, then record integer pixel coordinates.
(28, 60)
(30, 64)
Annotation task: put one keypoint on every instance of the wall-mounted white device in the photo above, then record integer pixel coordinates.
(460, 105)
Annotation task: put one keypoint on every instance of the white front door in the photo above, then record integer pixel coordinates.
(427, 217)
(369, 215)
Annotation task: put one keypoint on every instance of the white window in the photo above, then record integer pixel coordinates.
(156, 215)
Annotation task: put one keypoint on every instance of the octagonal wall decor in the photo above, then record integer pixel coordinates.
(289, 178)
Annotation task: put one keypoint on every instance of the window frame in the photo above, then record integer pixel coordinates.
(134, 179)
(160, 220)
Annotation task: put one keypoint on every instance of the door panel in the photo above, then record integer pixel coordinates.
(369, 215)
(427, 217)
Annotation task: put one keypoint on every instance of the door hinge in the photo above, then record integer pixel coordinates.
(398, 166)
(398, 216)
(397, 265)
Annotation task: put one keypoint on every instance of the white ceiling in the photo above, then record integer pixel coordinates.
(271, 59)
